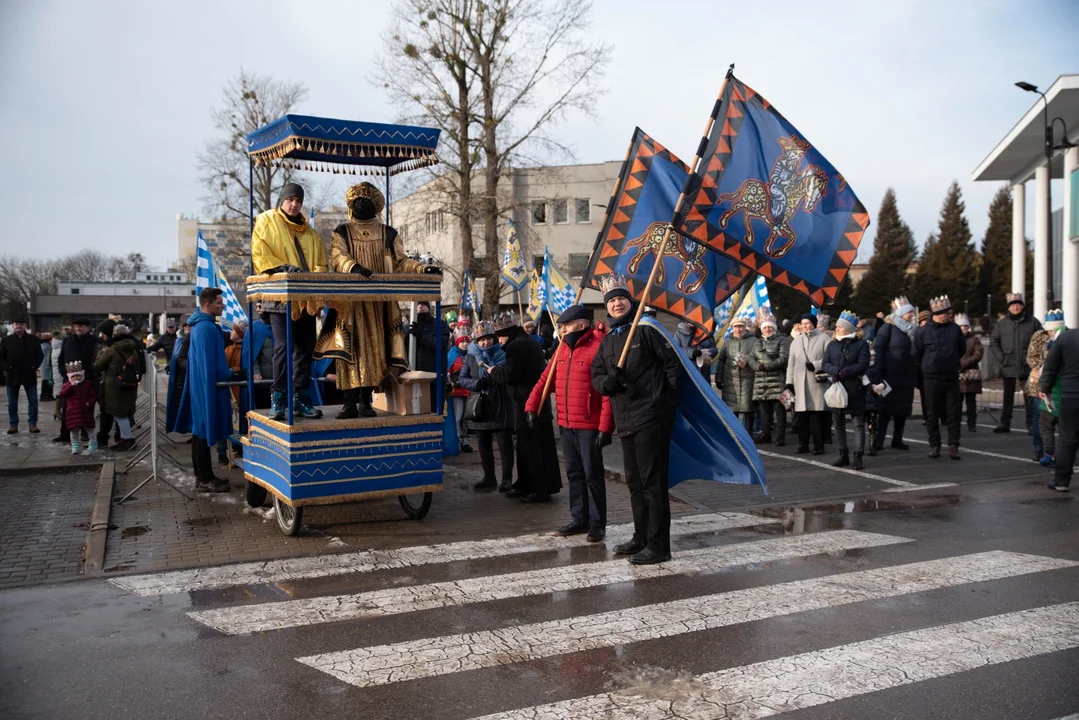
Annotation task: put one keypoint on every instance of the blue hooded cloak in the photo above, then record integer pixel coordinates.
(205, 409)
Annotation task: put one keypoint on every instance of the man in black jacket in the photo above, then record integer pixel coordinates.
(938, 347)
(20, 358)
(644, 395)
(81, 346)
(423, 332)
(166, 342)
(1062, 363)
(1009, 343)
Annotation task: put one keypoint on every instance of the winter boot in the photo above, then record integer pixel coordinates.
(844, 459)
(857, 464)
(301, 402)
(365, 408)
(953, 452)
(277, 406)
(76, 446)
(349, 410)
(92, 447)
(934, 452)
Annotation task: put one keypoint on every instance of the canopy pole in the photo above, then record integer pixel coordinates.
(250, 359)
(670, 225)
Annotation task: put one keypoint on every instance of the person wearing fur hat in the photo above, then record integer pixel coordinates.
(770, 356)
(283, 241)
(80, 399)
(1009, 343)
(970, 375)
(893, 367)
(846, 360)
(805, 378)
(455, 361)
(938, 347)
(734, 372)
(1044, 414)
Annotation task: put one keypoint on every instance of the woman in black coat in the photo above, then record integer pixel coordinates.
(496, 415)
(893, 364)
(846, 360)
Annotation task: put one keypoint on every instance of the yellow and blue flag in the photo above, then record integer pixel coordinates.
(765, 197)
(537, 297)
(514, 273)
(470, 299)
(692, 280)
(558, 290)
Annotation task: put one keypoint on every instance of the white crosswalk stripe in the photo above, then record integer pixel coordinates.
(428, 657)
(309, 611)
(800, 681)
(275, 571)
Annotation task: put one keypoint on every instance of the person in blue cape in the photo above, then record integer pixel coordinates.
(177, 375)
(206, 409)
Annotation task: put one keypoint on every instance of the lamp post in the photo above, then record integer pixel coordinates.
(1050, 148)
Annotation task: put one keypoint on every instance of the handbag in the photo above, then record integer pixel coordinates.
(835, 396)
(475, 407)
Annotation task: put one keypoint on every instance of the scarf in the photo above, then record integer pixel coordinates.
(492, 356)
(906, 326)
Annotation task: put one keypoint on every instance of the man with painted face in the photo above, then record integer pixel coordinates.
(366, 339)
(283, 241)
(644, 394)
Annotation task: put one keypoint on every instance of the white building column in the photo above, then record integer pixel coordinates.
(1019, 239)
(1041, 242)
(1070, 255)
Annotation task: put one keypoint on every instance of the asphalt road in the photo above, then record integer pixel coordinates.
(958, 602)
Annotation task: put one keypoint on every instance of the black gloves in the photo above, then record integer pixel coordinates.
(240, 374)
(603, 440)
(614, 383)
(530, 419)
(415, 329)
(811, 367)
(285, 269)
(360, 270)
(483, 383)
(789, 387)
(432, 270)
(694, 354)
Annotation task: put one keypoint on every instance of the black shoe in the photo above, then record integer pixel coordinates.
(365, 403)
(802, 450)
(818, 451)
(873, 450)
(1002, 429)
(513, 493)
(466, 447)
(628, 548)
(781, 442)
(767, 438)
(571, 529)
(505, 486)
(223, 460)
(596, 536)
(484, 484)
(648, 556)
(857, 463)
(844, 459)
(61, 439)
(536, 498)
(972, 427)
(217, 485)
(900, 445)
(124, 445)
(348, 411)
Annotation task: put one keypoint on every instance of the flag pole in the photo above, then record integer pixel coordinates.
(667, 232)
(550, 374)
(520, 311)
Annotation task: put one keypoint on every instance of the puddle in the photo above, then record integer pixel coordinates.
(134, 531)
(657, 683)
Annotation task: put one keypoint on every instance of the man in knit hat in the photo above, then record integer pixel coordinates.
(1009, 343)
(939, 346)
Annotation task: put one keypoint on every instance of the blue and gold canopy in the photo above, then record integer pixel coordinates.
(302, 142)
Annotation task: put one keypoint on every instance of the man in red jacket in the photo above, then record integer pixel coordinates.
(585, 419)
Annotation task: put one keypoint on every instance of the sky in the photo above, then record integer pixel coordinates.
(104, 105)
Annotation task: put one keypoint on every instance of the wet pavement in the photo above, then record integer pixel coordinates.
(955, 602)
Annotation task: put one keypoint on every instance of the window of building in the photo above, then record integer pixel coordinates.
(537, 262)
(584, 210)
(578, 264)
(561, 212)
(435, 221)
(74, 291)
(539, 212)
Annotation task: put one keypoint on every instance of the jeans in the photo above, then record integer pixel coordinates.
(13, 404)
(1068, 426)
(646, 454)
(303, 345)
(841, 431)
(459, 413)
(587, 486)
(942, 402)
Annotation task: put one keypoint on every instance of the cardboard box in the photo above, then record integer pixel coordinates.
(407, 394)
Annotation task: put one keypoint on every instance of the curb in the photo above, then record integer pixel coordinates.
(99, 520)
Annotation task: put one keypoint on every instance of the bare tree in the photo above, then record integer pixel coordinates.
(424, 68)
(249, 102)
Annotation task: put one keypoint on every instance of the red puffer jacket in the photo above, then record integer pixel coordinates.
(580, 407)
(79, 402)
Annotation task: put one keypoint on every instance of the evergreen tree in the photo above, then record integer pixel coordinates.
(949, 264)
(995, 277)
(893, 252)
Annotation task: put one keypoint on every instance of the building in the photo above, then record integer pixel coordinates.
(228, 240)
(1021, 156)
(559, 208)
(143, 301)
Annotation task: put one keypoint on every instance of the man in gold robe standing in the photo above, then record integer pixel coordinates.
(367, 338)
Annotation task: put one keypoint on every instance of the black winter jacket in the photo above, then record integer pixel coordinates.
(1009, 343)
(423, 333)
(938, 348)
(20, 358)
(851, 356)
(524, 365)
(652, 374)
(1062, 362)
(166, 342)
(83, 348)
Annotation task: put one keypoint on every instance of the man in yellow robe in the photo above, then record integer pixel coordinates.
(366, 338)
(283, 241)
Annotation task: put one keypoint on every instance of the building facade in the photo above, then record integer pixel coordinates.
(144, 301)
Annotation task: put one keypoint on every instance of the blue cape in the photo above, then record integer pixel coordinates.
(708, 442)
(172, 403)
(319, 368)
(205, 409)
(255, 337)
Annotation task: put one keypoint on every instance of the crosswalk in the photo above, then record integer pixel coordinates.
(852, 567)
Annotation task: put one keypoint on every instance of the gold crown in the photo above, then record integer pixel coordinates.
(940, 304)
(74, 367)
(369, 191)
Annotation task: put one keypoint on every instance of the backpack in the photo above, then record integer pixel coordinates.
(129, 374)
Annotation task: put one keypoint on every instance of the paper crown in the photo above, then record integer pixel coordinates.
(766, 319)
(940, 304)
(901, 305)
(1054, 320)
(484, 328)
(504, 321)
(848, 320)
(73, 367)
(463, 332)
(962, 319)
(464, 321)
(1013, 298)
(451, 316)
(614, 283)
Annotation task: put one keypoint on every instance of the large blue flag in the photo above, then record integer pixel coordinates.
(708, 442)
(765, 197)
(208, 274)
(692, 280)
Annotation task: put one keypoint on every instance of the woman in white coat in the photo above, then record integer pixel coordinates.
(806, 361)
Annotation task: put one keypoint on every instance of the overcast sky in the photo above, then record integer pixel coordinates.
(104, 104)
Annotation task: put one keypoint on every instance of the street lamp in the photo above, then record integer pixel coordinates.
(1049, 150)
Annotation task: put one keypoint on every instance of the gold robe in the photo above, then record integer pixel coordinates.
(367, 336)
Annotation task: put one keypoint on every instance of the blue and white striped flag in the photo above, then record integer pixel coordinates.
(723, 313)
(560, 291)
(209, 274)
(760, 289)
